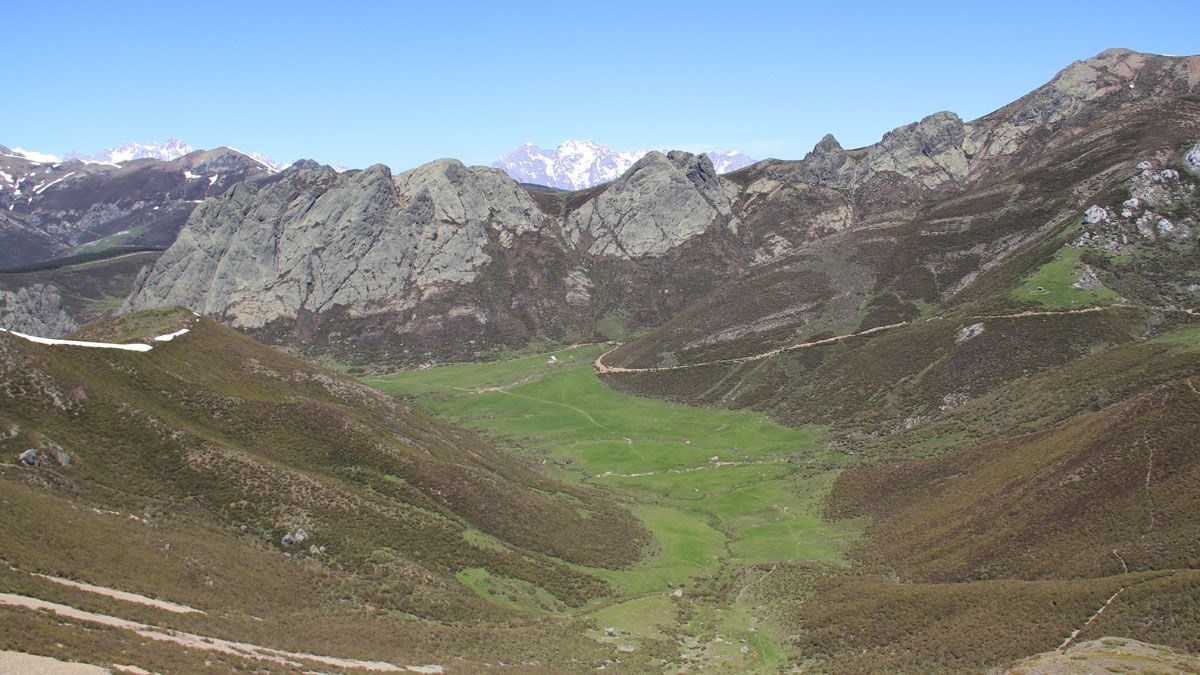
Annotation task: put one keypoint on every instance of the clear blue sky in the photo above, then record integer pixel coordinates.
(355, 83)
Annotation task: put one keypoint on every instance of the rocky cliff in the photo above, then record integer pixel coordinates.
(35, 310)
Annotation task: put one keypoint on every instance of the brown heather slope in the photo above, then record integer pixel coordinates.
(200, 455)
(1028, 470)
(956, 252)
(1108, 492)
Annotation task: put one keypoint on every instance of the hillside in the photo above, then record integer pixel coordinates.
(50, 208)
(240, 481)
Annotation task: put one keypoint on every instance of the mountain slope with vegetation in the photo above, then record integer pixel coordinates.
(223, 450)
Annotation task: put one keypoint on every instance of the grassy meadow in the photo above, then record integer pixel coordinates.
(719, 490)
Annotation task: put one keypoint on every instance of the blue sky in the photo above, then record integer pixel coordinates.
(354, 83)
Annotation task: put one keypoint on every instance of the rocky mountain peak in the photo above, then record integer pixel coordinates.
(660, 202)
(826, 146)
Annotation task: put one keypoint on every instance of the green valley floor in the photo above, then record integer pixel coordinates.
(726, 494)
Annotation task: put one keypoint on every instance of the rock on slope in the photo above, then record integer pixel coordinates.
(35, 310)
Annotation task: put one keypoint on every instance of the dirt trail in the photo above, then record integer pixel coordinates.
(123, 595)
(31, 664)
(1091, 619)
(201, 642)
(602, 368)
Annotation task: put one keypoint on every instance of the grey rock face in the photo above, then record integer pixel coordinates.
(317, 240)
(930, 151)
(29, 458)
(35, 310)
(1193, 158)
(661, 202)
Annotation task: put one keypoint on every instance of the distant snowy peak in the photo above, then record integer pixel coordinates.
(575, 165)
(35, 157)
(170, 149)
(724, 162)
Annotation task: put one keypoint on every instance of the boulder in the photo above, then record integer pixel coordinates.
(1095, 214)
(1192, 158)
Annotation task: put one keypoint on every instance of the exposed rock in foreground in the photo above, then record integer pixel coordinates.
(36, 310)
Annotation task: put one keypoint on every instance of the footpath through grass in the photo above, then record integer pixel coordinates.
(718, 489)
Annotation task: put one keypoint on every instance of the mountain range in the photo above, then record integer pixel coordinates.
(928, 405)
(168, 150)
(51, 208)
(576, 165)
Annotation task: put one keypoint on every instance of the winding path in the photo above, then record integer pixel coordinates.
(603, 369)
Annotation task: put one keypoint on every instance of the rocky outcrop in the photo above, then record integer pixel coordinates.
(942, 150)
(1193, 158)
(316, 240)
(1160, 207)
(35, 310)
(661, 202)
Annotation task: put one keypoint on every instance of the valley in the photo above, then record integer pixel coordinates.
(719, 490)
(928, 405)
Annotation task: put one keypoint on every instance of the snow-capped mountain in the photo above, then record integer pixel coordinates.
(575, 165)
(732, 160)
(30, 155)
(170, 149)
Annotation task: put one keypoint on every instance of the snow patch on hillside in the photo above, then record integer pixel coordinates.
(132, 347)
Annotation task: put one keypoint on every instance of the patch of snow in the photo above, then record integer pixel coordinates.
(170, 336)
(213, 178)
(133, 347)
(42, 188)
(190, 176)
(264, 161)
